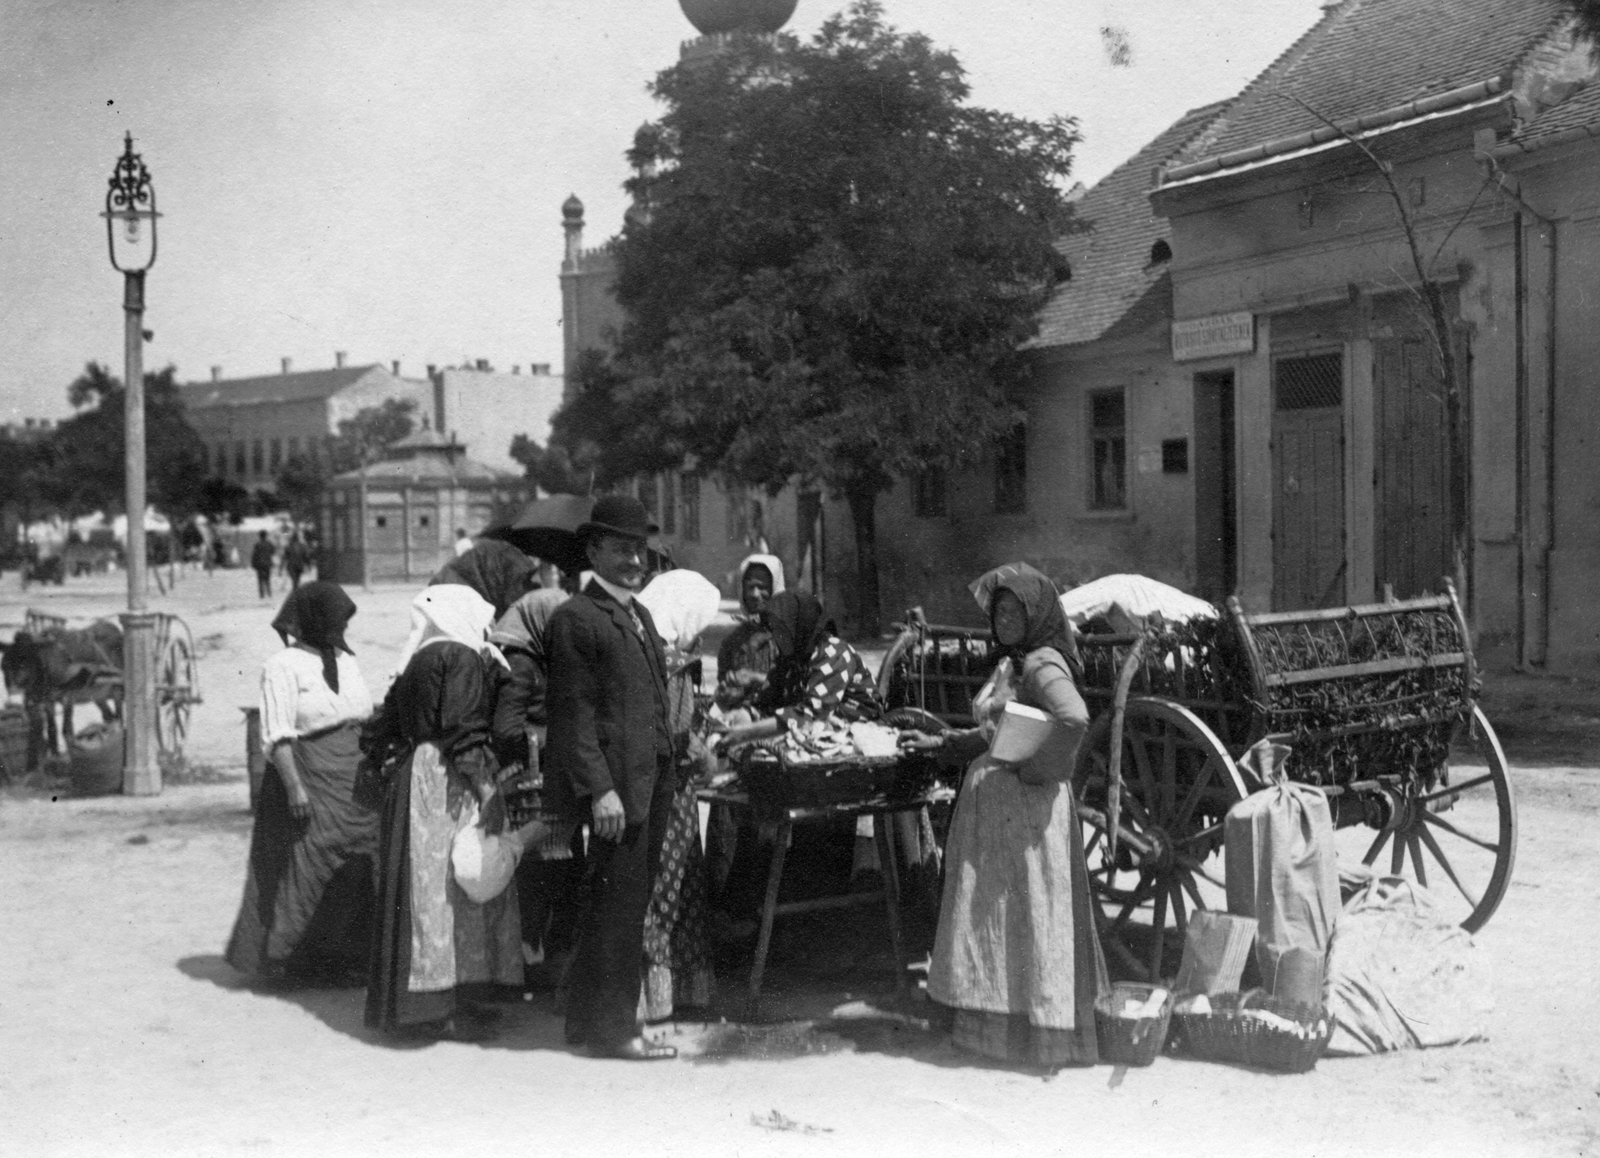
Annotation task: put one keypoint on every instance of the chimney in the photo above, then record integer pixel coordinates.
(396, 365)
(431, 369)
(539, 368)
(338, 359)
(286, 363)
(516, 369)
(216, 373)
(483, 364)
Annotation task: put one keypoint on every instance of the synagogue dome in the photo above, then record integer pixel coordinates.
(716, 16)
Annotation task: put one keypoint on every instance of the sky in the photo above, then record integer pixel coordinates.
(384, 177)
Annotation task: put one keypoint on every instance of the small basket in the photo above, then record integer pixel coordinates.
(1129, 1041)
(1227, 1034)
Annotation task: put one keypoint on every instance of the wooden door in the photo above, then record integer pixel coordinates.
(1308, 560)
(1411, 472)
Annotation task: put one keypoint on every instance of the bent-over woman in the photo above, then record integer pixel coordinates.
(307, 906)
(1016, 957)
(434, 733)
(676, 950)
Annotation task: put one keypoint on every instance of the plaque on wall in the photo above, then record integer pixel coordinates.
(1214, 336)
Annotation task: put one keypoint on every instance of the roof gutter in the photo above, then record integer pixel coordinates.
(1457, 100)
(1566, 136)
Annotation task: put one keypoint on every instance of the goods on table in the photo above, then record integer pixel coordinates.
(829, 739)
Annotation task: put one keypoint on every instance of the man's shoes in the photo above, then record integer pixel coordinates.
(635, 1049)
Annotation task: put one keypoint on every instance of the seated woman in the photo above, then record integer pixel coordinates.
(307, 906)
(435, 733)
(1016, 957)
(746, 654)
(816, 674)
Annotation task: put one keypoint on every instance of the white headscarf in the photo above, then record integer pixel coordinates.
(450, 611)
(774, 567)
(683, 603)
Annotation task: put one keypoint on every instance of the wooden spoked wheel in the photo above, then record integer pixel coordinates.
(1458, 839)
(176, 692)
(1178, 783)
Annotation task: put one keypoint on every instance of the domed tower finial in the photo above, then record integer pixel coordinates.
(714, 17)
(572, 223)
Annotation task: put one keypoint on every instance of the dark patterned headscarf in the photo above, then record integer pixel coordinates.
(1041, 603)
(315, 614)
(495, 570)
(798, 625)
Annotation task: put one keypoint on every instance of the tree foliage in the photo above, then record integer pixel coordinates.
(80, 467)
(1587, 14)
(835, 263)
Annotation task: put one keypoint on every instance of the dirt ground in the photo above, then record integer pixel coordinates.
(122, 1032)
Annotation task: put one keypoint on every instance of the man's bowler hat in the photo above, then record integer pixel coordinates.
(617, 515)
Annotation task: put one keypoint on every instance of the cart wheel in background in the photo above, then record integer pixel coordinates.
(1457, 839)
(1178, 783)
(176, 692)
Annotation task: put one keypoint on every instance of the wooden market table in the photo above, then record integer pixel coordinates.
(785, 820)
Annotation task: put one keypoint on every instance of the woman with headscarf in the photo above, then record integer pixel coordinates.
(677, 957)
(1016, 957)
(500, 574)
(308, 897)
(745, 655)
(815, 673)
(435, 734)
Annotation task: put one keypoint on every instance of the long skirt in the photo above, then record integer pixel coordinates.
(676, 953)
(1017, 957)
(307, 907)
(430, 937)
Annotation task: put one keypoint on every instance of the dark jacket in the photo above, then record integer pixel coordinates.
(607, 706)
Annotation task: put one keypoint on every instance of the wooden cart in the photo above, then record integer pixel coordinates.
(1377, 703)
(177, 677)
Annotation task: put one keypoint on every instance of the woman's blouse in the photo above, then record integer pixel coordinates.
(297, 701)
(837, 681)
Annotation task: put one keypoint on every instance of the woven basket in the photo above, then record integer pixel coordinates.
(1129, 1041)
(1228, 1034)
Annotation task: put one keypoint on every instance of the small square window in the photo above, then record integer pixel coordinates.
(1175, 456)
(380, 521)
(422, 520)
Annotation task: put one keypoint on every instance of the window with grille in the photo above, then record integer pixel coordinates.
(1309, 383)
(238, 459)
(222, 458)
(1011, 471)
(1108, 451)
(256, 458)
(277, 453)
(927, 493)
(691, 508)
(669, 503)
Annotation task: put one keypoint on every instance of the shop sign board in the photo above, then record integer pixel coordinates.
(1213, 336)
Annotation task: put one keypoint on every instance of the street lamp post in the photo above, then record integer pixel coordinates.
(130, 217)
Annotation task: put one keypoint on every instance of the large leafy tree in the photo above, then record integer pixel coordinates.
(835, 261)
(81, 464)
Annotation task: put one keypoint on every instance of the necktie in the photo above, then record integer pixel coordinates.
(638, 624)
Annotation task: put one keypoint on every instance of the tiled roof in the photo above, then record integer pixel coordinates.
(1364, 56)
(426, 469)
(296, 387)
(1111, 267)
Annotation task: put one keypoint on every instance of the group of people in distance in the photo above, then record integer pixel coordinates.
(525, 795)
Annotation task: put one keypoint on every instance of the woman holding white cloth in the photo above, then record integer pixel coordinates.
(434, 733)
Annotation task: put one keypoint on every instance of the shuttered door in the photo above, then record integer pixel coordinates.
(1308, 564)
(1411, 483)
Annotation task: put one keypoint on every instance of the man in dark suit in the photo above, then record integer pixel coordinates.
(609, 756)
